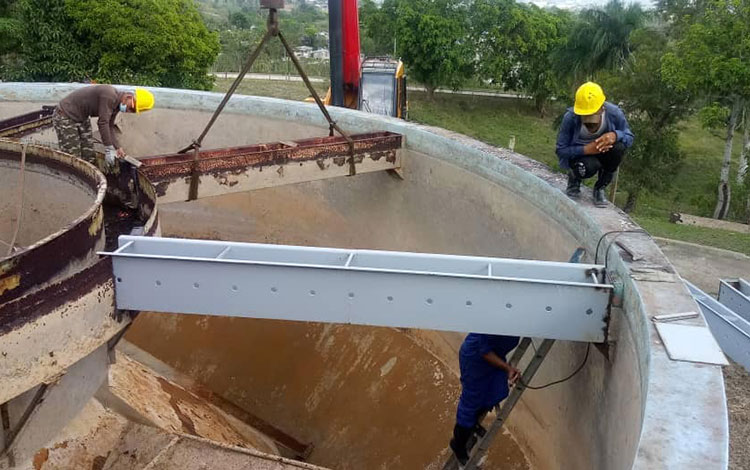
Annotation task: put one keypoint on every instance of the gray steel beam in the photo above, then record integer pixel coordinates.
(396, 289)
(731, 331)
(735, 295)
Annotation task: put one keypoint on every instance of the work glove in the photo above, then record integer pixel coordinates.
(110, 155)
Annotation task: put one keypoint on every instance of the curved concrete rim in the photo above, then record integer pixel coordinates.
(97, 181)
(683, 413)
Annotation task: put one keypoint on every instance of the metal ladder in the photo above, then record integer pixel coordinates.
(480, 446)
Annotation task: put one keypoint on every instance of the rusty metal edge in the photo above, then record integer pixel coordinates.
(18, 312)
(28, 123)
(310, 144)
(235, 158)
(47, 258)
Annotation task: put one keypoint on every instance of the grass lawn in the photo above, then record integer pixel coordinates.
(277, 89)
(495, 120)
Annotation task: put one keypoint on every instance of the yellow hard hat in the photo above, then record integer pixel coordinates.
(144, 100)
(589, 99)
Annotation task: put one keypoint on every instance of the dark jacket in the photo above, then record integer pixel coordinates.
(102, 101)
(569, 143)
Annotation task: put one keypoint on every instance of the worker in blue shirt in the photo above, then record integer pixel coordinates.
(593, 138)
(485, 379)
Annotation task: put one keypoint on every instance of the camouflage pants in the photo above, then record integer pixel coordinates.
(75, 138)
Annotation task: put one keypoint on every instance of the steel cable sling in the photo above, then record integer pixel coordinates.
(272, 30)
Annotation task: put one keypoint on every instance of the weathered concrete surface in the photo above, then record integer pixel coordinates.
(57, 309)
(60, 239)
(100, 439)
(190, 453)
(56, 299)
(168, 406)
(58, 404)
(459, 196)
(705, 265)
(42, 215)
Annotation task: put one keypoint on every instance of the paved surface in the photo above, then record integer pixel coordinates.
(704, 265)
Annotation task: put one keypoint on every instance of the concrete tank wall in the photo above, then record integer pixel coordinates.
(459, 196)
(42, 215)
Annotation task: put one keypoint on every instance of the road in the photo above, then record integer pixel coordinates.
(296, 78)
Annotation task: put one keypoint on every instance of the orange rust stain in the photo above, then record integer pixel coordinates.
(176, 395)
(9, 283)
(96, 223)
(40, 458)
(61, 445)
(99, 462)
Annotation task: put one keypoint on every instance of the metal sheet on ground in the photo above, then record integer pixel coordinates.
(690, 343)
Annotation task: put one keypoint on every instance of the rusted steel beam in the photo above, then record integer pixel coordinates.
(28, 123)
(237, 169)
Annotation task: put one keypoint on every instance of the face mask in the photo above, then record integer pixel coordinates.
(123, 108)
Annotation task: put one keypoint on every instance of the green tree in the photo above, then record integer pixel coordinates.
(236, 46)
(432, 39)
(600, 39)
(152, 42)
(149, 42)
(711, 58)
(654, 107)
(10, 26)
(515, 46)
(239, 20)
(377, 26)
(11, 29)
(50, 49)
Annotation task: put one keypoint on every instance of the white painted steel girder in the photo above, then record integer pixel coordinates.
(731, 331)
(566, 301)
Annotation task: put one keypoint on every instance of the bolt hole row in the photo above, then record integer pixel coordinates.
(313, 293)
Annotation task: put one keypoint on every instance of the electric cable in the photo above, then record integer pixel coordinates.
(578, 369)
(618, 232)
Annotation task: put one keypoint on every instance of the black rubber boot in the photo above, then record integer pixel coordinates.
(600, 198)
(459, 443)
(574, 185)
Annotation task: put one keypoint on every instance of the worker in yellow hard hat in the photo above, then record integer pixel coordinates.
(72, 118)
(593, 138)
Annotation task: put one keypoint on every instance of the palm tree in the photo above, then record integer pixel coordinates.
(600, 39)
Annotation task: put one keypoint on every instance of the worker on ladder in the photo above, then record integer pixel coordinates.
(485, 379)
(72, 119)
(593, 138)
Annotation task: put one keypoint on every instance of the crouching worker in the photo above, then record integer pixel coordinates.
(72, 119)
(485, 379)
(593, 138)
